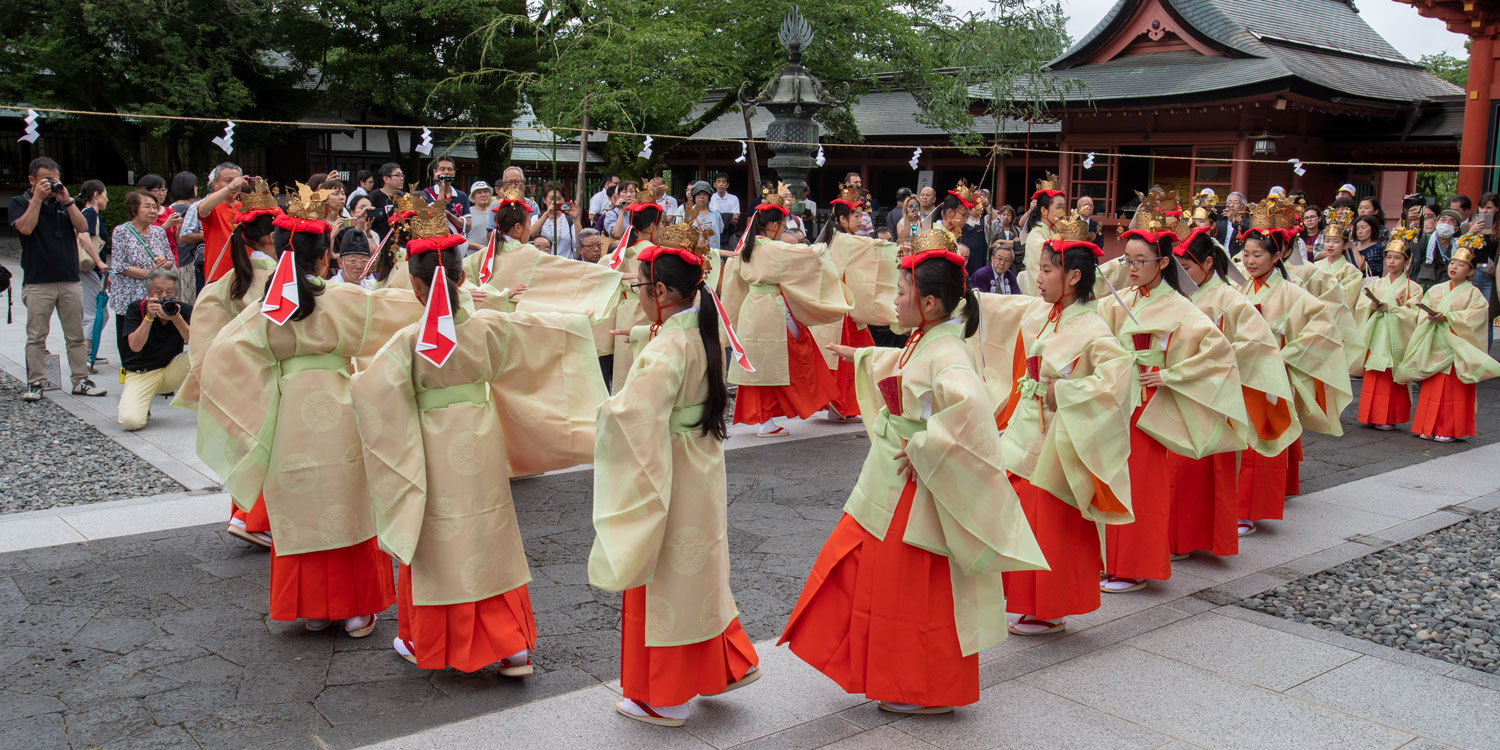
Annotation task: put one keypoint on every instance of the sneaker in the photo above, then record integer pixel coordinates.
(33, 392)
(86, 387)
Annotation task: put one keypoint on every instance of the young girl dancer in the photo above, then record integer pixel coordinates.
(660, 498)
(908, 589)
(868, 267)
(1388, 316)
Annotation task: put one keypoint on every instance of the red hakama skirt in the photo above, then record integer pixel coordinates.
(856, 336)
(673, 675)
(255, 519)
(1294, 469)
(876, 617)
(1139, 549)
(810, 388)
(1263, 482)
(1382, 400)
(1445, 406)
(1204, 502)
(333, 584)
(1071, 546)
(467, 636)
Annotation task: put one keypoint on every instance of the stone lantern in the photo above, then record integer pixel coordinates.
(793, 97)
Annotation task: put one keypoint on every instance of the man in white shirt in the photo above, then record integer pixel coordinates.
(599, 203)
(727, 205)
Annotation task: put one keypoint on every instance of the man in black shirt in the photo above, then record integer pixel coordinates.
(49, 222)
(383, 198)
(153, 349)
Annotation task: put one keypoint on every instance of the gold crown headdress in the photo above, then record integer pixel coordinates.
(1337, 221)
(966, 194)
(1074, 228)
(1468, 246)
(1274, 213)
(409, 202)
(307, 203)
(682, 236)
(259, 197)
(936, 238)
(1049, 181)
(849, 196)
(773, 197)
(428, 220)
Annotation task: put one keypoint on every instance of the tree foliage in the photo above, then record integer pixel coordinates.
(1452, 69)
(210, 58)
(643, 67)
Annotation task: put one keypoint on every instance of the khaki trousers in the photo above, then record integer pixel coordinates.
(141, 387)
(41, 300)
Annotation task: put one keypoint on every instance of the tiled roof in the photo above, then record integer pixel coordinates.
(879, 114)
(1322, 42)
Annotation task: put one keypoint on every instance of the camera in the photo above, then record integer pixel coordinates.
(50, 185)
(565, 207)
(445, 178)
(170, 307)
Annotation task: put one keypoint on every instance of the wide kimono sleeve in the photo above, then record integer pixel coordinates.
(999, 347)
(556, 284)
(386, 410)
(1384, 334)
(1206, 410)
(1315, 360)
(633, 473)
(213, 310)
(811, 285)
(1268, 395)
(548, 392)
(869, 268)
(1449, 344)
(240, 400)
(1084, 460)
(1038, 236)
(957, 459)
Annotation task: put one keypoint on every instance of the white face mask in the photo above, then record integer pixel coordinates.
(1445, 231)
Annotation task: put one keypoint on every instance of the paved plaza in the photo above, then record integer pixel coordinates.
(138, 622)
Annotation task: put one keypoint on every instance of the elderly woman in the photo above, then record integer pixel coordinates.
(140, 247)
(480, 220)
(997, 278)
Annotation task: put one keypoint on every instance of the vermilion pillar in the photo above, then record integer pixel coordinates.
(1474, 147)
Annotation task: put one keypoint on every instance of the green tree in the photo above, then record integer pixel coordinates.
(206, 58)
(1452, 69)
(645, 66)
(414, 63)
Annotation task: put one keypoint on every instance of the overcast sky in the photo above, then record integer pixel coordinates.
(1399, 23)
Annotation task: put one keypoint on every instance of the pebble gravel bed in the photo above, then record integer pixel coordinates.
(50, 458)
(1437, 595)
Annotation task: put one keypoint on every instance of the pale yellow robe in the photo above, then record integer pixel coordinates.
(276, 402)
(869, 268)
(1385, 335)
(1456, 343)
(660, 494)
(1200, 410)
(1039, 234)
(759, 294)
(1311, 347)
(438, 442)
(214, 310)
(963, 508)
(1258, 358)
(553, 284)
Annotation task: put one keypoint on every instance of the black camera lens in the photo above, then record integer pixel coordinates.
(170, 307)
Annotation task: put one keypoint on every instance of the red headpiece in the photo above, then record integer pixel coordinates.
(1182, 247)
(1047, 187)
(419, 245)
(281, 300)
(911, 261)
(294, 224)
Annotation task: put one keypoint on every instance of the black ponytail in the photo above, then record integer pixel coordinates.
(239, 253)
(835, 212)
(686, 279)
(424, 265)
(1204, 248)
(758, 221)
(509, 215)
(385, 262)
(971, 312)
(308, 248)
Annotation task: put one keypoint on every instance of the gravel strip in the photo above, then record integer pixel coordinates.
(50, 458)
(1435, 595)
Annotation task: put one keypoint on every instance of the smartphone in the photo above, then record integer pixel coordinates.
(566, 207)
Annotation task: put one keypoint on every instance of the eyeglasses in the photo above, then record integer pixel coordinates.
(635, 286)
(1137, 262)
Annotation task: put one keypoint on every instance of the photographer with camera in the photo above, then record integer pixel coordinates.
(559, 224)
(49, 222)
(443, 193)
(153, 350)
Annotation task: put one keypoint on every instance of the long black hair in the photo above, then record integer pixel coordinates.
(685, 279)
(941, 278)
(1078, 258)
(1203, 248)
(423, 265)
(836, 211)
(509, 215)
(385, 262)
(1272, 244)
(1034, 214)
(308, 249)
(757, 222)
(1163, 249)
(254, 230)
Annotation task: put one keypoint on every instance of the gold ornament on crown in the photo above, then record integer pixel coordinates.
(966, 193)
(408, 202)
(936, 238)
(774, 197)
(307, 203)
(850, 194)
(1152, 213)
(1465, 254)
(690, 216)
(682, 236)
(1203, 206)
(428, 220)
(1337, 221)
(1049, 181)
(259, 197)
(1274, 213)
(512, 192)
(1075, 228)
